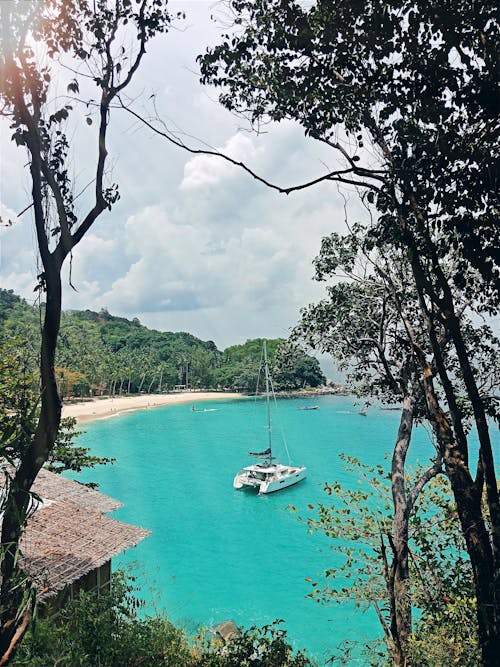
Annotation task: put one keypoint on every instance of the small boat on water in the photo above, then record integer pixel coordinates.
(268, 475)
(309, 407)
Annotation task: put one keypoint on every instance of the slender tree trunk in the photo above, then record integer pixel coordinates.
(484, 554)
(468, 499)
(486, 451)
(399, 574)
(36, 455)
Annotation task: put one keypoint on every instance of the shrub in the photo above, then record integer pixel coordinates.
(107, 630)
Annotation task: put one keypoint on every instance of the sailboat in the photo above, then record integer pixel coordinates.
(268, 475)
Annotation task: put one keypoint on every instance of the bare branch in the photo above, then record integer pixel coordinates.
(339, 175)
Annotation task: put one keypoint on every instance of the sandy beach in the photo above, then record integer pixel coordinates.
(104, 408)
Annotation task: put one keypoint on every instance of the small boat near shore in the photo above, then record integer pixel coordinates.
(309, 407)
(268, 475)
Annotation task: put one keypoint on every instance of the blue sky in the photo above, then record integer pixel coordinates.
(193, 244)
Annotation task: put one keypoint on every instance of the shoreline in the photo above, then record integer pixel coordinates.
(95, 409)
(105, 408)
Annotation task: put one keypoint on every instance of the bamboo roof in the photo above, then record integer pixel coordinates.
(68, 536)
(55, 487)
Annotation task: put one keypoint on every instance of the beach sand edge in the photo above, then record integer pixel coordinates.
(104, 408)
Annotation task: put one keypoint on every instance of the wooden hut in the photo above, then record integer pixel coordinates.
(69, 541)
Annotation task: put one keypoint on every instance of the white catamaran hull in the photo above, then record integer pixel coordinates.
(268, 475)
(269, 481)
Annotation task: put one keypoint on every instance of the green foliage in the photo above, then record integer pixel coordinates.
(449, 637)
(241, 364)
(19, 410)
(7, 301)
(104, 630)
(261, 647)
(109, 630)
(65, 455)
(417, 81)
(18, 401)
(358, 521)
(99, 353)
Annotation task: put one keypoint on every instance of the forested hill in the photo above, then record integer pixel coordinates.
(99, 353)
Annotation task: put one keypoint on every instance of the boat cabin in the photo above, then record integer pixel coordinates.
(265, 471)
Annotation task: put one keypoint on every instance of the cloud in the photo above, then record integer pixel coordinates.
(207, 170)
(194, 243)
(18, 254)
(22, 284)
(166, 275)
(184, 267)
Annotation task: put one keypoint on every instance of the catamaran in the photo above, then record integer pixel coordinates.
(268, 475)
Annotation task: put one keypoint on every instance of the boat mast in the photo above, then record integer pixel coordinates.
(268, 405)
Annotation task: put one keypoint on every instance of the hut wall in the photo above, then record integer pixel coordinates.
(98, 580)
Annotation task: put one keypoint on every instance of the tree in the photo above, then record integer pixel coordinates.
(354, 517)
(70, 383)
(200, 369)
(363, 326)
(65, 455)
(418, 85)
(370, 323)
(91, 34)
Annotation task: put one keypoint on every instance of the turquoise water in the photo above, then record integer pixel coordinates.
(216, 553)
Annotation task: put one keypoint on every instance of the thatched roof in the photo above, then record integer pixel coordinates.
(68, 536)
(55, 487)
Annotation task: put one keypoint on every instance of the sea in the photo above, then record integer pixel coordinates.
(218, 554)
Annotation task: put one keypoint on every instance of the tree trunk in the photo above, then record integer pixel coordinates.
(484, 554)
(468, 499)
(46, 431)
(399, 573)
(486, 452)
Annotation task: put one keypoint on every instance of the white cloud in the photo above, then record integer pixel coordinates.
(21, 283)
(18, 254)
(194, 243)
(8, 216)
(207, 170)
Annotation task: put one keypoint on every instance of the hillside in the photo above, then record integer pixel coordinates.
(99, 353)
